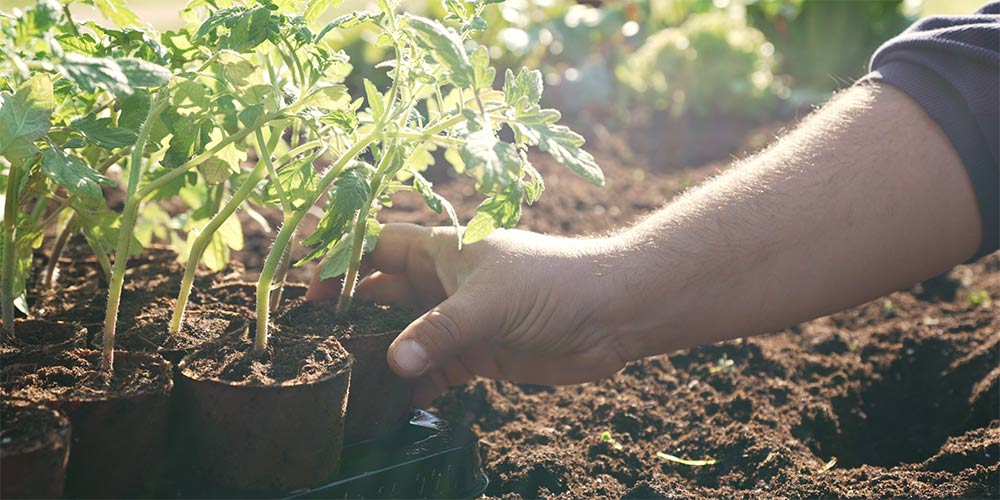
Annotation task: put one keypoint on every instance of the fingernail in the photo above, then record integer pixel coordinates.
(410, 357)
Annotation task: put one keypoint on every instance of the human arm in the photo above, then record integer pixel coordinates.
(863, 198)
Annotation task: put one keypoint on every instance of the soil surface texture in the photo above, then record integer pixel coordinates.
(75, 375)
(290, 359)
(902, 391)
(25, 426)
(320, 319)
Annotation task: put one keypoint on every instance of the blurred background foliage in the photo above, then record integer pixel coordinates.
(703, 60)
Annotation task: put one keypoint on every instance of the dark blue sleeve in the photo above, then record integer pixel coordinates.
(951, 66)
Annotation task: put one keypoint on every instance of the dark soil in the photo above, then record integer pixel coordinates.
(320, 319)
(903, 391)
(150, 332)
(290, 359)
(24, 426)
(32, 335)
(75, 375)
(152, 282)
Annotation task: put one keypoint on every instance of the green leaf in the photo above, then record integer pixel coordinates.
(144, 74)
(446, 48)
(500, 210)
(346, 21)
(491, 162)
(527, 85)
(317, 8)
(251, 30)
(117, 12)
(327, 96)
(564, 146)
(71, 173)
(190, 98)
(134, 109)
(339, 257)
(93, 73)
(435, 201)
(99, 131)
(375, 100)
(236, 69)
(249, 116)
(351, 193)
(228, 237)
(483, 73)
(223, 17)
(24, 117)
(479, 227)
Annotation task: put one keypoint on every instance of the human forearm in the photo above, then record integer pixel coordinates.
(866, 197)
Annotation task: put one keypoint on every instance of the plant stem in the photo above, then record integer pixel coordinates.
(132, 203)
(203, 239)
(100, 252)
(264, 156)
(285, 234)
(354, 264)
(57, 250)
(9, 224)
(69, 19)
(278, 285)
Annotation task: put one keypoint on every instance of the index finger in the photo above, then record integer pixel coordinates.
(395, 241)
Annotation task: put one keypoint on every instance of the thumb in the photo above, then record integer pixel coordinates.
(441, 333)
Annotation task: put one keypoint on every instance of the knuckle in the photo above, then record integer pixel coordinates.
(441, 330)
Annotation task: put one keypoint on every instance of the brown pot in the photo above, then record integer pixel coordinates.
(33, 336)
(261, 439)
(34, 449)
(379, 400)
(119, 439)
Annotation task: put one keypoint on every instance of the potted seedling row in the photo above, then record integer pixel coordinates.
(244, 110)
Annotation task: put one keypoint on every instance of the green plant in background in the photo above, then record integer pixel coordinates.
(805, 32)
(713, 64)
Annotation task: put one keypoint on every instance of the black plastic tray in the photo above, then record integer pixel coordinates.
(426, 458)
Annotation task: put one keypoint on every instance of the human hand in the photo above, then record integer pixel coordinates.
(515, 306)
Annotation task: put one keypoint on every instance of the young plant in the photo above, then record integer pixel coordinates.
(69, 107)
(441, 96)
(263, 61)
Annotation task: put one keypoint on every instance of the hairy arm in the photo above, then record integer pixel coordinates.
(865, 197)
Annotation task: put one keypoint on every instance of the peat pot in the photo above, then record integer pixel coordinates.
(119, 428)
(246, 438)
(34, 448)
(379, 400)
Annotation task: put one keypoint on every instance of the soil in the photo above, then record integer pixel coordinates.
(150, 332)
(75, 376)
(24, 426)
(905, 396)
(31, 336)
(152, 282)
(320, 319)
(290, 359)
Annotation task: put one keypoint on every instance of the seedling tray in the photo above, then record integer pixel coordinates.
(425, 458)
